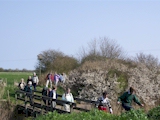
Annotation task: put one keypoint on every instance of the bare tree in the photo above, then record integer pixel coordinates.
(93, 48)
(110, 49)
(101, 49)
(149, 60)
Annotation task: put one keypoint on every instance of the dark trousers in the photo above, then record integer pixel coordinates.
(34, 85)
(30, 99)
(127, 107)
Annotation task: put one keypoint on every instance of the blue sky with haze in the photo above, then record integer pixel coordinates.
(28, 27)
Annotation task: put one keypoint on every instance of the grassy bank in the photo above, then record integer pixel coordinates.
(95, 114)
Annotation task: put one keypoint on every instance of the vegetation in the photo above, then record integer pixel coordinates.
(57, 61)
(149, 60)
(122, 78)
(100, 115)
(14, 77)
(10, 78)
(154, 114)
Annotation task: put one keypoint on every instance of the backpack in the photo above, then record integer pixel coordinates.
(52, 77)
(44, 92)
(47, 77)
(60, 78)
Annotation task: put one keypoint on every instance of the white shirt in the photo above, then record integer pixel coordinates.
(68, 97)
(54, 94)
(106, 102)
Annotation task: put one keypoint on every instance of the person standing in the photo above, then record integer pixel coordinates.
(35, 80)
(29, 79)
(67, 96)
(50, 94)
(22, 84)
(28, 89)
(54, 96)
(56, 79)
(44, 93)
(104, 103)
(126, 99)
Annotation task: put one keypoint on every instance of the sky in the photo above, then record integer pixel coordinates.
(28, 27)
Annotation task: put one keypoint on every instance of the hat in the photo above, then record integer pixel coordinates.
(30, 83)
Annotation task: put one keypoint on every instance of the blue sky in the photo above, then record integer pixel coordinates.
(28, 27)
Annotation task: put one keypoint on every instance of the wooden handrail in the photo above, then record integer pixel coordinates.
(40, 104)
(49, 98)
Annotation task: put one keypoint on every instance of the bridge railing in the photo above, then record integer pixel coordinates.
(37, 104)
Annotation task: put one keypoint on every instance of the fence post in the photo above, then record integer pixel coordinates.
(25, 103)
(6, 81)
(41, 105)
(8, 96)
(16, 97)
(71, 107)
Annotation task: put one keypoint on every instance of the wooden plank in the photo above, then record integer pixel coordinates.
(22, 99)
(80, 109)
(83, 100)
(38, 105)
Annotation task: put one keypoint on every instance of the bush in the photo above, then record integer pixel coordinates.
(133, 115)
(92, 115)
(154, 114)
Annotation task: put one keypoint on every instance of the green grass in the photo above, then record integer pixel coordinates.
(95, 115)
(153, 114)
(14, 76)
(10, 77)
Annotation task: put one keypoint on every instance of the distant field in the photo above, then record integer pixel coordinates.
(14, 76)
(11, 77)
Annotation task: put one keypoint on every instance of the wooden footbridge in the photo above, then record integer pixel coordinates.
(33, 104)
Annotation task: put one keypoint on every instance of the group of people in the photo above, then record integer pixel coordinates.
(50, 78)
(31, 81)
(67, 96)
(103, 102)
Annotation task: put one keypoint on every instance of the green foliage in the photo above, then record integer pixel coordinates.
(133, 115)
(154, 114)
(55, 60)
(98, 115)
(122, 78)
(10, 77)
(64, 64)
(92, 115)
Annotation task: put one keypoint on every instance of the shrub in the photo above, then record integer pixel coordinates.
(133, 115)
(154, 114)
(92, 115)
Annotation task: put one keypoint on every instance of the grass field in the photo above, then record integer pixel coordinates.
(10, 78)
(14, 76)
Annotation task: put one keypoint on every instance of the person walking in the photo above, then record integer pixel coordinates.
(22, 84)
(126, 99)
(104, 103)
(28, 89)
(35, 81)
(56, 79)
(67, 96)
(54, 96)
(29, 79)
(50, 78)
(44, 93)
